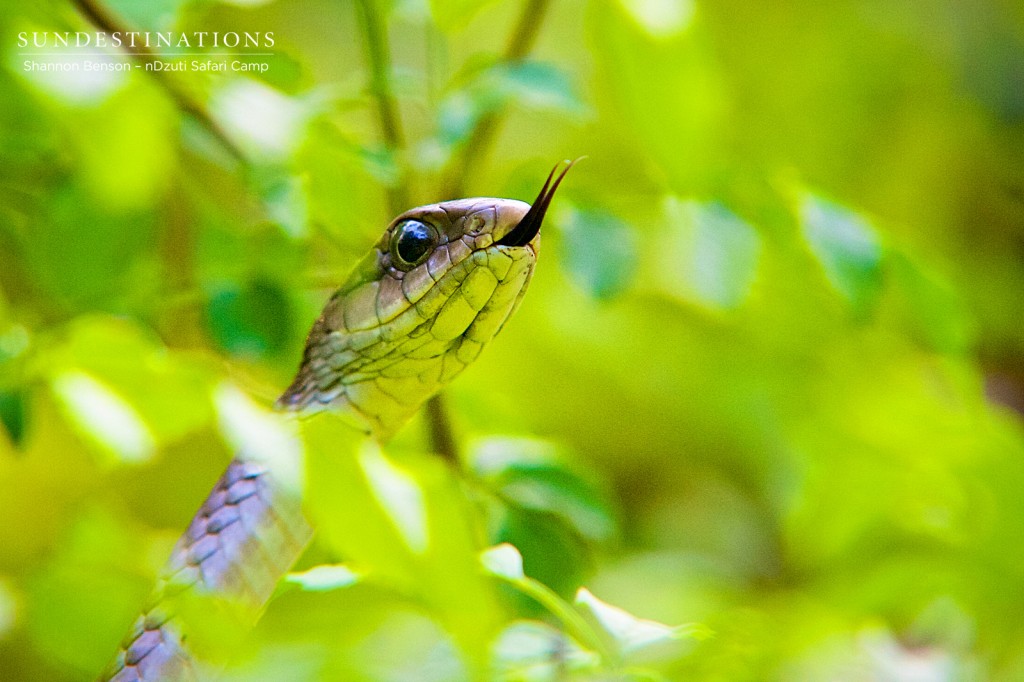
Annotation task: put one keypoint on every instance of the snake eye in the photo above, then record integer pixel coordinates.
(412, 243)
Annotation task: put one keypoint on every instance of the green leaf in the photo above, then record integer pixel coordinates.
(553, 553)
(80, 600)
(103, 416)
(262, 434)
(324, 578)
(84, 256)
(634, 635)
(9, 602)
(934, 310)
(504, 561)
(126, 392)
(407, 522)
(284, 196)
(528, 84)
(251, 320)
(530, 651)
(453, 15)
(664, 94)
(13, 414)
(537, 85)
(665, 19)
(266, 123)
(599, 251)
(535, 475)
(710, 255)
(848, 249)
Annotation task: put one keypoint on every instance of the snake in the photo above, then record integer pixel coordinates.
(416, 310)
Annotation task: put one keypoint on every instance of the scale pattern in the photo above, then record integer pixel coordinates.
(247, 521)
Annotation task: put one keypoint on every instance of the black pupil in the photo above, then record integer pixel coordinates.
(414, 240)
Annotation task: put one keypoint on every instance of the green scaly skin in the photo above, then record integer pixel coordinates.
(391, 337)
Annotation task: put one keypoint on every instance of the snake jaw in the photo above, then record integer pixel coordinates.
(529, 227)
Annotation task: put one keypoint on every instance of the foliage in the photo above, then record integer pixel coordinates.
(768, 378)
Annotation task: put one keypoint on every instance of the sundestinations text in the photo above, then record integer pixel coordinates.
(230, 39)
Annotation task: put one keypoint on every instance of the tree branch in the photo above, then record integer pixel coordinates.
(476, 149)
(442, 438)
(378, 57)
(104, 20)
(478, 146)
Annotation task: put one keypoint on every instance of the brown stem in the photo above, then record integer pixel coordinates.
(477, 147)
(104, 20)
(378, 57)
(525, 35)
(442, 436)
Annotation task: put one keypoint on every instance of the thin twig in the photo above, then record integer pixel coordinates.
(378, 57)
(442, 436)
(476, 149)
(523, 37)
(104, 20)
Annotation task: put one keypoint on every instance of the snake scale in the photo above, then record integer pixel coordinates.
(418, 309)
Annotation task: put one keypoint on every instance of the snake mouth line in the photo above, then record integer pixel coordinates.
(529, 226)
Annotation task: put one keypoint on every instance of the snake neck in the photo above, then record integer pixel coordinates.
(375, 374)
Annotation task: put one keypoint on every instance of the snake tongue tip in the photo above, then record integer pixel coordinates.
(529, 226)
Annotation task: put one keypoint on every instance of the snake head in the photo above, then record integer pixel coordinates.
(440, 283)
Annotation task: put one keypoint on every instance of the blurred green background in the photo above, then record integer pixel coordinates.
(768, 378)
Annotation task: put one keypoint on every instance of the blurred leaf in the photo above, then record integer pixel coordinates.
(105, 374)
(344, 184)
(81, 599)
(13, 414)
(537, 85)
(599, 251)
(553, 552)
(709, 254)
(534, 475)
(50, 466)
(848, 249)
(633, 635)
(661, 18)
(265, 122)
(664, 86)
(84, 256)
(252, 320)
(936, 313)
(405, 521)
(285, 199)
(323, 578)
(530, 651)
(9, 602)
(399, 496)
(453, 15)
(126, 150)
(532, 85)
(261, 434)
(156, 14)
(504, 561)
(231, 250)
(105, 417)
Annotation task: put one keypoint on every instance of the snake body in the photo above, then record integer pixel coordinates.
(418, 309)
